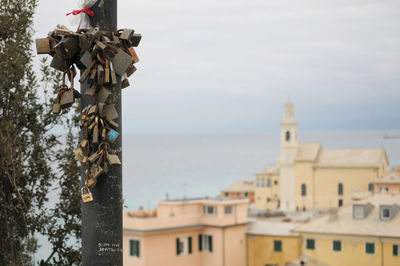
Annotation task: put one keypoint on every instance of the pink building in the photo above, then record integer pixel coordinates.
(389, 183)
(242, 189)
(195, 232)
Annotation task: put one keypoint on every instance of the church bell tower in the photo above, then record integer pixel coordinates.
(289, 140)
(289, 148)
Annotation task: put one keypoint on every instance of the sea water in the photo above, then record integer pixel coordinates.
(202, 165)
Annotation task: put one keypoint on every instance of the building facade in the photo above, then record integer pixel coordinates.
(313, 178)
(363, 233)
(187, 232)
(242, 189)
(272, 243)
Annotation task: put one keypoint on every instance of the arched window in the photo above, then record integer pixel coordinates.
(340, 189)
(303, 190)
(288, 136)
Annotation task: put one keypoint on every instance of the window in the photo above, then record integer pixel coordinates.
(258, 182)
(275, 182)
(370, 248)
(371, 187)
(340, 203)
(209, 210)
(310, 244)
(396, 250)
(205, 243)
(340, 189)
(385, 213)
(184, 246)
(263, 182)
(268, 199)
(287, 136)
(277, 245)
(246, 194)
(303, 190)
(358, 212)
(134, 248)
(269, 182)
(228, 210)
(226, 194)
(337, 245)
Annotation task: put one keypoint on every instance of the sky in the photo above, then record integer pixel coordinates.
(229, 66)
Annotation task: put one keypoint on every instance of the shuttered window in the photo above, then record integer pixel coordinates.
(134, 248)
(183, 245)
(370, 248)
(205, 243)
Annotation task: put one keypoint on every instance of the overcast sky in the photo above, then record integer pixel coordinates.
(229, 66)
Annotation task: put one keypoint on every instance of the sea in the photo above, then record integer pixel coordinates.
(177, 166)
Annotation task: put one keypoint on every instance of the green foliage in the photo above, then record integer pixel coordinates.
(32, 159)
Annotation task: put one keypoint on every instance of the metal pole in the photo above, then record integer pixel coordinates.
(102, 218)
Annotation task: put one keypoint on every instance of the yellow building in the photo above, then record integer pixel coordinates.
(313, 178)
(267, 189)
(272, 243)
(363, 233)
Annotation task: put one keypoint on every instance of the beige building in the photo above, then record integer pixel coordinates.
(272, 243)
(267, 189)
(198, 232)
(313, 178)
(390, 183)
(242, 189)
(363, 233)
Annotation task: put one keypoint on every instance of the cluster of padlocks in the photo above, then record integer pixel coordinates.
(102, 56)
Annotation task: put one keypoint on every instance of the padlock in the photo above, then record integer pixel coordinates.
(134, 40)
(126, 34)
(59, 63)
(56, 108)
(92, 109)
(101, 109)
(125, 83)
(131, 70)
(91, 91)
(103, 95)
(107, 72)
(93, 157)
(95, 171)
(112, 135)
(134, 55)
(113, 159)
(113, 76)
(100, 75)
(43, 46)
(71, 46)
(95, 137)
(86, 194)
(80, 156)
(110, 112)
(84, 60)
(116, 41)
(121, 62)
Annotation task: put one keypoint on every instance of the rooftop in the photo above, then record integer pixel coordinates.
(344, 223)
(308, 151)
(240, 186)
(350, 158)
(392, 177)
(271, 228)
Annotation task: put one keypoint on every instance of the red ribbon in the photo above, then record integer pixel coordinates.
(86, 10)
